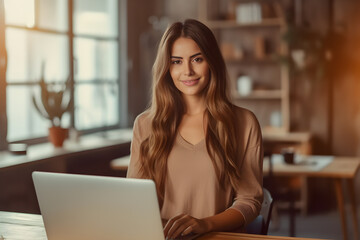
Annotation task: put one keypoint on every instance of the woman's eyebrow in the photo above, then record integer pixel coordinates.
(196, 54)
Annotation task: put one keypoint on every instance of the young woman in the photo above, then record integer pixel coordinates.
(203, 152)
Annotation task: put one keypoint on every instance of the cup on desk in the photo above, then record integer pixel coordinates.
(288, 155)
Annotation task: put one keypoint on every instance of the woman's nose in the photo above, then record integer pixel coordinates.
(188, 69)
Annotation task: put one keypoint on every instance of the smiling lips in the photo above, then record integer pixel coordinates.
(190, 82)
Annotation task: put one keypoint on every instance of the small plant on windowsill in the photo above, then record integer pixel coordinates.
(55, 101)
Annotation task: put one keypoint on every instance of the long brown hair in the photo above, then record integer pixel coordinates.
(167, 109)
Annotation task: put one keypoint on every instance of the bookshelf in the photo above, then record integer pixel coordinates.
(252, 47)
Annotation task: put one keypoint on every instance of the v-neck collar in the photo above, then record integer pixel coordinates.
(185, 143)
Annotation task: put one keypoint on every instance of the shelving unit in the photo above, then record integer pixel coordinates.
(218, 24)
(259, 94)
(270, 78)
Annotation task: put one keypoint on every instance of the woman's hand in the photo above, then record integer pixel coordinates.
(183, 224)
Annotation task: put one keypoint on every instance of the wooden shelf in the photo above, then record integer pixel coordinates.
(246, 60)
(260, 94)
(274, 136)
(219, 24)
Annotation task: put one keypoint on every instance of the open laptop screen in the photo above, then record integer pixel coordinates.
(94, 207)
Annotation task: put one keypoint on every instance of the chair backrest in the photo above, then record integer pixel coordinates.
(266, 209)
(260, 225)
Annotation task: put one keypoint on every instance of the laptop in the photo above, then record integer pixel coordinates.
(94, 207)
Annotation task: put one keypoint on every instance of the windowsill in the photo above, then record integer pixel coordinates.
(45, 151)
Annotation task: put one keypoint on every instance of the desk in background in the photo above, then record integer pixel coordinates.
(301, 142)
(31, 227)
(339, 169)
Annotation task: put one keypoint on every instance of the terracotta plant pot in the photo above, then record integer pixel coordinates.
(57, 135)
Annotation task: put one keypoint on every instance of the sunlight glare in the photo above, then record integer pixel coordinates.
(24, 15)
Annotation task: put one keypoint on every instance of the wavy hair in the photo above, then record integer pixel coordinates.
(167, 109)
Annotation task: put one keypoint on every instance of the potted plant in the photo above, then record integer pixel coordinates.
(55, 101)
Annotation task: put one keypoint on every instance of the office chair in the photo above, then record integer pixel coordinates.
(260, 225)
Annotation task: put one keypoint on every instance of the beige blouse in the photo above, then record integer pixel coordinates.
(192, 186)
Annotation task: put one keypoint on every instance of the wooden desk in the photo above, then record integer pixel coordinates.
(243, 236)
(21, 226)
(341, 168)
(31, 227)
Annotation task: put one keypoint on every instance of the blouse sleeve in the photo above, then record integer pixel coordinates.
(249, 195)
(134, 166)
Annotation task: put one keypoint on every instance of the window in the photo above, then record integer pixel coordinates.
(75, 38)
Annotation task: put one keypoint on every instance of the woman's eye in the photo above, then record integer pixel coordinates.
(198, 59)
(176, 62)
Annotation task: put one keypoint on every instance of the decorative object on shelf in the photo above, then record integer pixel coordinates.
(55, 101)
(253, 11)
(57, 135)
(260, 47)
(275, 119)
(248, 12)
(231, 52)
(298, 56)
(17, 148)
(244, 85)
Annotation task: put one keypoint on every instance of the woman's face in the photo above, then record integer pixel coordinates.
(188, 68)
